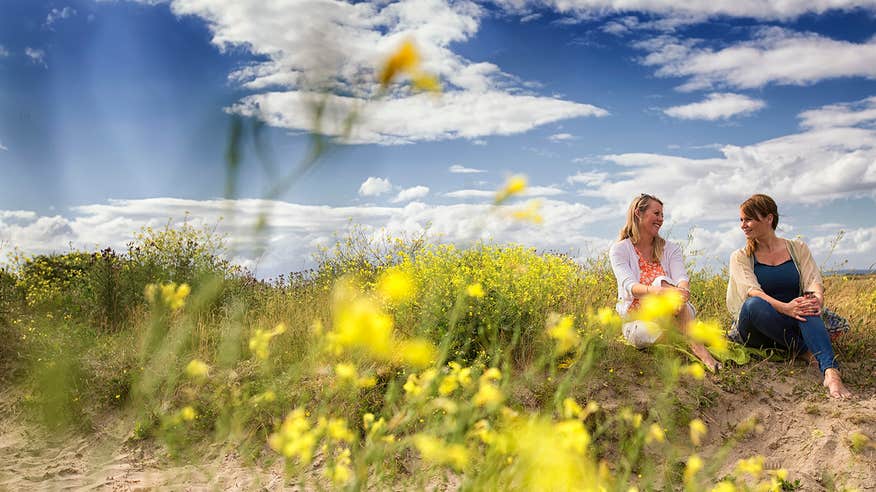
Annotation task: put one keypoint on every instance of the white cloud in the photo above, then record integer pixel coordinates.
(3, 51)
(759, 9)
(294, 232)
(716, 106)
(815, 166)
(844, 114)
(530, 17)
(374, 186)
(59, 14)
(311, 47)
(458, 169)
(561, 137)
(590, 179)
(421, 117)
(530, 191)
(3, 147)
(37, 56)
(774, 56)
(411, 193)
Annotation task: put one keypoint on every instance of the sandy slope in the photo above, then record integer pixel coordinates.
(797, 428)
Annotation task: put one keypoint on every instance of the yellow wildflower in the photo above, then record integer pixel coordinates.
(367, 420)
(405, 59)
(395, 285)
(694, 465)
(340, 473)
(515, 185)
(573, 435)
(571, 409)
(437, 451)
(694, 370)
(426, 82)
(655, 307)
(561, 329)
(188, 413)
(698, 430)
(752, 466)
(294, 438)
(488, 395)
(337, 430)
(724, 486)
(417, 353)
(258, 343)
(475, 290)
(530, 212)
(346, 372)
(197, 369)
(709, 333)
(655, 433)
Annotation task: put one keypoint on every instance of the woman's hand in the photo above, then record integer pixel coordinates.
(814, 301)
(797, 308)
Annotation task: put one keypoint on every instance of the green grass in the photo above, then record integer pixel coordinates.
(83, 341)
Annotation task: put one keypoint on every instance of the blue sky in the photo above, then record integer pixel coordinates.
(116, 114)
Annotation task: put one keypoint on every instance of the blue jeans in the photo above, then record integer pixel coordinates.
(760, 325)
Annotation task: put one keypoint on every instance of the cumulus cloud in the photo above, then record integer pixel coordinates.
(336, 46)
(530, 191)
(37, 56)
(374, 186)
(458, 169)
(561, 137)
(3, 51)
(816, 166)
(56, 15)
(843, 114)
(590, 179)
(701, 9)
(717, 106)
(411, 193)
(774, 56)
(421, 117)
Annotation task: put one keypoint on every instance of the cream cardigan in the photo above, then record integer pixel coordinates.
(625, 264)
(742, 278)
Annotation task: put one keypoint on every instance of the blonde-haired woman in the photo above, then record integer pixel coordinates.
(645, 264)
(775, 293)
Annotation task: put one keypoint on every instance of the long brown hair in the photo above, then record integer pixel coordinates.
(759, 206)
(631, 228)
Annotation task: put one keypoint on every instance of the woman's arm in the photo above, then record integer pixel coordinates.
(796, 308)
(621, 265)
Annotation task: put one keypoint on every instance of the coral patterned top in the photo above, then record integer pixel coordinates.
(650, 271)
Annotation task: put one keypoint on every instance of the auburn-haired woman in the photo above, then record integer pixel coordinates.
(645, 264)
(775, 293)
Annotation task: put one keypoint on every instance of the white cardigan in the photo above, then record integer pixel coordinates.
(625, 264)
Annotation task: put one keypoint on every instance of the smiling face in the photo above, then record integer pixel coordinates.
(651, 219)
(755, 227)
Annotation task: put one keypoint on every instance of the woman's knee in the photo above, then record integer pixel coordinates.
(755, 304)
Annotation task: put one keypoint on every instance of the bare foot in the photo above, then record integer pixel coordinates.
(703, 354)
(834, 384)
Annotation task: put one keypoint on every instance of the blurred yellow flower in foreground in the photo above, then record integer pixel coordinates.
(395, 285)
(694, 370)
(197, 369)
(529, 213)
(752, 466)
(514, 186)
(698, 430)
(709, 333)
(258, 343)
(188, 414)
(658, 306)
(562, 329)
(655, 433)
(694, 465)
(437, 451)
(475, 290)
(406, 59)
(170, 295)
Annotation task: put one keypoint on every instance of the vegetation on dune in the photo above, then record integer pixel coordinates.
(481, 367)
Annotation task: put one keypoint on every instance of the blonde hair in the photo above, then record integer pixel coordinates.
(631, 228)
(759, 206)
